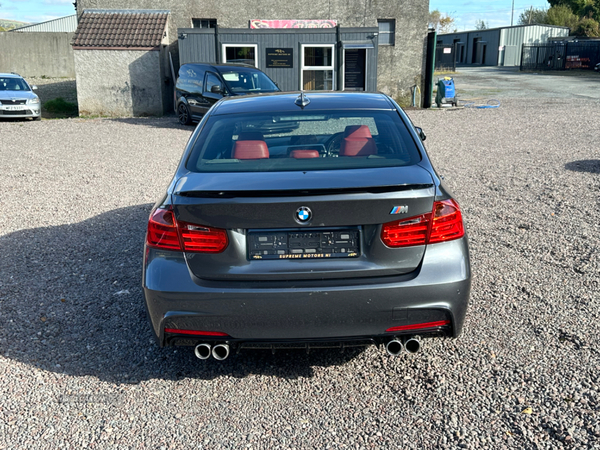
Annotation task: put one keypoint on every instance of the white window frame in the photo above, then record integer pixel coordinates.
(331, 67)
(241, 44)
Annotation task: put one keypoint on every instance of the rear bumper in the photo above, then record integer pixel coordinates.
(305, 311)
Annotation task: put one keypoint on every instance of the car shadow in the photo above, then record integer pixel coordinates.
(587, 165)
(168, 121)
(71, 302)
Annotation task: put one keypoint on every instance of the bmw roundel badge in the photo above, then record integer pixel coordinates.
(303, 214)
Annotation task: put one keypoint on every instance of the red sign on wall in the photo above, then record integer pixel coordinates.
(257, 23)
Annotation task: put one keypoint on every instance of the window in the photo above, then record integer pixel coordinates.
(211, 80)
(317, 73)
(303, 140)
(387, 31)
(204, 23)
(240, 54)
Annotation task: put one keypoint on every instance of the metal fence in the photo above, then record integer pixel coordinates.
(560, 56)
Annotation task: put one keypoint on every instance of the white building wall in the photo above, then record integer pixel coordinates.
(119, 82)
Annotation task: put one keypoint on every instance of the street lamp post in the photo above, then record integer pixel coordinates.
(512, 14)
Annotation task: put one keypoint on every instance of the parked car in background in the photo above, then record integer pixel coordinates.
(597, 68)
(199, 86)
(305, 220)
(17, 99)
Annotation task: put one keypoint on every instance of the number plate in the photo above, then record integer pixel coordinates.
(14, 108)
(304, 244)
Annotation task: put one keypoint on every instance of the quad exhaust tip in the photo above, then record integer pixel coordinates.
(413, 344)
(394, 347)
(220, 351)
(202, 351)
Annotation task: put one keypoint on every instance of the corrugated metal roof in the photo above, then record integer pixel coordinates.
(509, 28)
(67, 24)
(120, 29)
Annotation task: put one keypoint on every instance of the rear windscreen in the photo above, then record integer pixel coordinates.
(300, 141)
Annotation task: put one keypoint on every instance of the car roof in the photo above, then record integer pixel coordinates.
(218, 67)
(319, 101)
(10, 75)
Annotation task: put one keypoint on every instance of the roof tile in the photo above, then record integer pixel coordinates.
(120, 29)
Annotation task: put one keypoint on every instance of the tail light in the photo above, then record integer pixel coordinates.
(165, 232)
(447, 222)
(443, 224)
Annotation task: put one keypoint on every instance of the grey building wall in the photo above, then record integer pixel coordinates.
(37, 54)
(513, 38)
(399, 66)
(119, 82)
(503, 46)
(198, 45)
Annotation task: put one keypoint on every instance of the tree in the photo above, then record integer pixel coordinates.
(587, 27)
(562, 16)
(481, 25)
(442, 23)
(581, 8)
(533, 16)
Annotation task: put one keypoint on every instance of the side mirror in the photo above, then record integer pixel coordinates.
(421, 133)
(216, 89)
(34, 88)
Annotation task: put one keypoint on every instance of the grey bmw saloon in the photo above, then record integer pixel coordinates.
(305, 220)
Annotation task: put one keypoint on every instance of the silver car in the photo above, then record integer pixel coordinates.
(17, 99)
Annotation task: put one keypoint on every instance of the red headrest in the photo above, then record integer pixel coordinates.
(357, 132)
(301, 154)
(250, 150)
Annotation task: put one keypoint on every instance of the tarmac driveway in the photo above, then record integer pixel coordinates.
(482, 83)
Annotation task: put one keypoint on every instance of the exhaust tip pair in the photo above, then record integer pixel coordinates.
(396, 346)
(219, 351)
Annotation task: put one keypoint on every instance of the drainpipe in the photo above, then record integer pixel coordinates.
(217, 46)
(429, 69)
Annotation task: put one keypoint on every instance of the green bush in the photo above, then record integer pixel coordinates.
(61, 106)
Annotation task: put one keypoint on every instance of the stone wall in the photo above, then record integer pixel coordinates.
(119, 82)
(37, 54)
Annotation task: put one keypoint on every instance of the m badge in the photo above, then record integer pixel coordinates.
(399, 210)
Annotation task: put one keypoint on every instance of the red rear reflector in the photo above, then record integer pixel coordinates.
(165, 232)
(195, 333)
(419, 326)
(446, 225)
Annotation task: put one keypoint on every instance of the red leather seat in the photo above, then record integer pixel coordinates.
(250, 150)
(302, 154)
(357, 142)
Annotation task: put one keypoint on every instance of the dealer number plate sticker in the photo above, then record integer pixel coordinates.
(304, 244)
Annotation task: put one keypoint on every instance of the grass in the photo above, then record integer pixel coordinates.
(59, 107)
(444, 72)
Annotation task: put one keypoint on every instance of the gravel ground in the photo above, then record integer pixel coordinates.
(78, 366)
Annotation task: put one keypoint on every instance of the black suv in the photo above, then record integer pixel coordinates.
(199, 86)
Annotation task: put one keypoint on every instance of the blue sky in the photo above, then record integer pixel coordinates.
(495, 13)
(35, 11)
